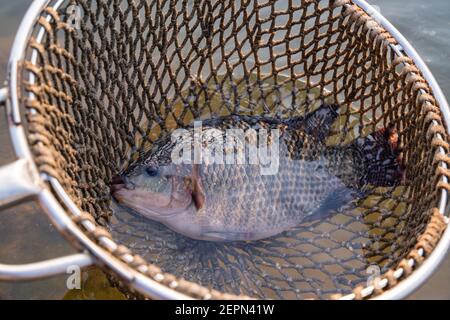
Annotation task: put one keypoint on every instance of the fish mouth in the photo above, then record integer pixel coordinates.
(118, 182)
(117, 179)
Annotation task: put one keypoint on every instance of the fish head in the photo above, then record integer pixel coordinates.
(160, 193)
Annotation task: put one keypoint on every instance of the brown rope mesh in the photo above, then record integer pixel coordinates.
(135, 70)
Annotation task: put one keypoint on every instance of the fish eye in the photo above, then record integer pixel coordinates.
(151, 171)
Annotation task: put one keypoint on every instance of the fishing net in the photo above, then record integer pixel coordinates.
(107, 78)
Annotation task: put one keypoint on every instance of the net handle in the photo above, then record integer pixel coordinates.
(44, 269)
(19, 184)
(21, 181)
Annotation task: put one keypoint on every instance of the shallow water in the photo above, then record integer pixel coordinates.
(26, 235)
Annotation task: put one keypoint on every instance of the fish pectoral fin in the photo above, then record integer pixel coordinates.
(198, 196)
(335, 200)
(196, 188)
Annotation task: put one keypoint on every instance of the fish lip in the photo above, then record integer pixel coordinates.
(115, 191)
(114, 188)
(118, 184)
(120, 181)
(116, 179)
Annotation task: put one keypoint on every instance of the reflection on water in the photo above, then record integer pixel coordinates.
(25, 234)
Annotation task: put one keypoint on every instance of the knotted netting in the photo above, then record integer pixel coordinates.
(107, 78)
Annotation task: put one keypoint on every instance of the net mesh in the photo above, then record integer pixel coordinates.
(109, 77)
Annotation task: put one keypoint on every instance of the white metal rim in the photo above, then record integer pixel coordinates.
(136, 279)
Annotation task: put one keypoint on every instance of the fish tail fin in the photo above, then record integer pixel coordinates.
(380, 157)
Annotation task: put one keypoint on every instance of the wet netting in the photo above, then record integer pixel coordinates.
(107, 78)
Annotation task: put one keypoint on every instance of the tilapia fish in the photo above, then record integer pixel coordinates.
(228, 202)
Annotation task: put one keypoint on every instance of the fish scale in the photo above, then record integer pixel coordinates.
(283, 200)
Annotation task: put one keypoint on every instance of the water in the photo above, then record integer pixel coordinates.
(425, 24)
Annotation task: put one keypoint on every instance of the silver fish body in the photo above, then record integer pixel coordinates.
(232, 202)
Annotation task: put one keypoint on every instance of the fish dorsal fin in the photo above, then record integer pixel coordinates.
(317, 123)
